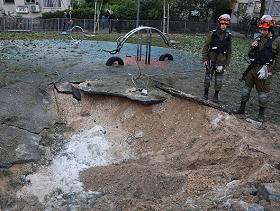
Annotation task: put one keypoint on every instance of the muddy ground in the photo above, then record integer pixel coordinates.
(110, 153)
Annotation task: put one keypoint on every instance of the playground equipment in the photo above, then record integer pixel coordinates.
(77, 34)
(121, 40)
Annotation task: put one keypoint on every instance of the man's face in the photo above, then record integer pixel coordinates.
(264, 32)
(223, 26)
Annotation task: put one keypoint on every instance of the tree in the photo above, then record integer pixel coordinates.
(151, 10)
(186, 10)
(262, 8)
(242, 16)
(220, 7)
(128, 10)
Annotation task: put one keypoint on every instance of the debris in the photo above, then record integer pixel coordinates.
(190, 97)
(86, 114)
(144, 92)
(76, 93)
(139, 135)
(270, 191)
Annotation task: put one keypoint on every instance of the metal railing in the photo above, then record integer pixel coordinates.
(109, 26)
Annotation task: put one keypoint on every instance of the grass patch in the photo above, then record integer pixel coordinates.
(9, 118)
(189, 43)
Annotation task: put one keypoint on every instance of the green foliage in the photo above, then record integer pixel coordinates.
(81, 13)
(151, 10)
(242, 16)
(182, 10)
(128, 10)
(55, 14)
(75, 4)
(220, 7)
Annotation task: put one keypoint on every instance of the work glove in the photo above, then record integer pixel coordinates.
(263, 72)
(219, 69)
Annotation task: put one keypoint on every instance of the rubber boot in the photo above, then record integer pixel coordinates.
(215, 98)
(205, 96)
(241, 109)
(261, 114)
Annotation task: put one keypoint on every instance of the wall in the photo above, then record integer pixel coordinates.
(11, 7)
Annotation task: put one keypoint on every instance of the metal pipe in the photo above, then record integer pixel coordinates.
(150, 42)
(137, 22)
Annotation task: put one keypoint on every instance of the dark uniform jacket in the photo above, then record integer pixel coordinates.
(222, 59)
(275, 66)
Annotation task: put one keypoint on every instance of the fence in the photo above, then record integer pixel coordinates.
(105, 26)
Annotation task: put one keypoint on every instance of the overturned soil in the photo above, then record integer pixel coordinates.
(111, 153)
(175, 155)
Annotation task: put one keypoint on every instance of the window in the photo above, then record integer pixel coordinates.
(29, 1)
(9, 1)
(52, 3)
(21, 10)
(275, 9)
(257, 8)
(242, 6)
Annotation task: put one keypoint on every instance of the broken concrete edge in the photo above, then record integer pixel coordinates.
(63, 87)
(68, 88)
(145, 102)
(269, 191)
(189, 97)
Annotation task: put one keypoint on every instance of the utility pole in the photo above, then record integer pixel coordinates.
(163, 16)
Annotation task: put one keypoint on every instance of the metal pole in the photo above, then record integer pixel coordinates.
(163, 16)
(137, 22)
(147, 43)
(94, 22)
(168, 19)
(58, 24)
(85, 24)
(138, 42)
(141, 42)
(150, 41)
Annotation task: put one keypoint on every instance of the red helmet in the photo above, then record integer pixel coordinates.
(225, 18)
(267, 21)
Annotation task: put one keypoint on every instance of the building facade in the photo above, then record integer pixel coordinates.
(31, 8)
(253, 8)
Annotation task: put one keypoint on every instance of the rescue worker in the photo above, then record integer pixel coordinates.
(217, 54)
(264, 53)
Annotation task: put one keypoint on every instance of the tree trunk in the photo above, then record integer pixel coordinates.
(262, 8)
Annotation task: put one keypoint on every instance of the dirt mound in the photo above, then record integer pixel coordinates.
(175, 155)
(186, 154)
